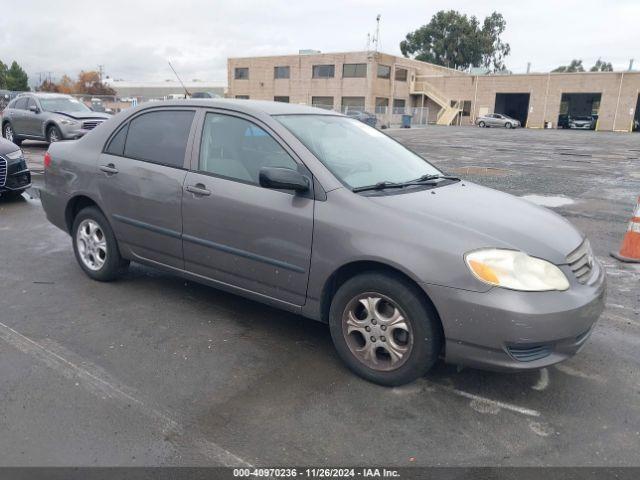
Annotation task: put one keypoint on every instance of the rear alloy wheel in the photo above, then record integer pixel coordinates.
(53, 134)
(95, 246)
(508, 125)
(10, 135)
(384, 329)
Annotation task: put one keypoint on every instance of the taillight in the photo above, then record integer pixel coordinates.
(47, 160)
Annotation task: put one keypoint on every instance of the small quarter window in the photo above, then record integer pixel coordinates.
(116, 145)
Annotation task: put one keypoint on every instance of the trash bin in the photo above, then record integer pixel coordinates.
(406, 121)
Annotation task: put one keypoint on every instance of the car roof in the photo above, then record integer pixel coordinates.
(244, 106)
(44, 95)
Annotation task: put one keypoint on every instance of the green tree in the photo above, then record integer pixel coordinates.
(3, 75)
(455, 40)
(17, 79)
(602, 66)
(574, 66)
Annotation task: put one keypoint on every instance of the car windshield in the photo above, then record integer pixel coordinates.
(63, 104)
(357, 154)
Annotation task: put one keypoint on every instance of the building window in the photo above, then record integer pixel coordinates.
(322, 102)
(241, 73)
(324, 71)
(401, 74)
(280, 72)
(384, 71)
(398, 105)
(382, 104)
(354, 70)
(466, 108)
(281, 99)
(352, 104)
(242, 97)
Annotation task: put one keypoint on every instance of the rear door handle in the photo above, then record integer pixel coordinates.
(110, 168)
(198, 189)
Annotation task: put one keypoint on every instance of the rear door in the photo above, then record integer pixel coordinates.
(235, 231)
(141, 174)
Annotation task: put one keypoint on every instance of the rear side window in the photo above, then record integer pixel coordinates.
(159, 137)
(116, 145)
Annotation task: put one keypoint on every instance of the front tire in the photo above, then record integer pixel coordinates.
(95, 246)
(9, 134)
(508, 125)
(482, 125)
(384, 329)
(54, 134)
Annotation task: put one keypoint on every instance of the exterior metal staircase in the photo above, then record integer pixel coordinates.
(449, 109)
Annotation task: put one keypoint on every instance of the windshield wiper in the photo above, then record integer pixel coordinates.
(378, 186)
(423, 180)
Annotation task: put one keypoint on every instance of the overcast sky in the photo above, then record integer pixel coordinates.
(134, 39)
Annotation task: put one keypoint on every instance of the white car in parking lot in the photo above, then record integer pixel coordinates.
(497, 120)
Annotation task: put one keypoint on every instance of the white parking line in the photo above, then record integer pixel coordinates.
(491, 405)
(101, 384)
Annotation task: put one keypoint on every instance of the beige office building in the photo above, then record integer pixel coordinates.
(390, 86)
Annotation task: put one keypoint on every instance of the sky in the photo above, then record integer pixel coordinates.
(135, 39)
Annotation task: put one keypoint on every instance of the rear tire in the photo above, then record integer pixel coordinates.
(384, 329)
(96, 247)
(508, 125)
(482, 125)
(9, 134)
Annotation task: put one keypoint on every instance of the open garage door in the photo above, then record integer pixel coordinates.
(578, 106)
(636, 118)
(514, 105)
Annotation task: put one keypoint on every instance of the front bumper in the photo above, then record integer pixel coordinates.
(508, 330)
(17, 176)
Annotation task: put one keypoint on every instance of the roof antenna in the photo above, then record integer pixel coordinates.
(187, 94)
(376, 37)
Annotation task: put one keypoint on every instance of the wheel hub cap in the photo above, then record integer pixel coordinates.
(377, 331)
(92, 244)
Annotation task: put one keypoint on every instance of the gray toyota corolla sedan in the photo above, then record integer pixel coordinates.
(322, 215)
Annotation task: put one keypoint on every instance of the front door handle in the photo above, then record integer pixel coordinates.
(198, 189)
(110, 169)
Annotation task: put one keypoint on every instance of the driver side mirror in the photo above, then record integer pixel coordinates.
(34, 109)
(280, 178)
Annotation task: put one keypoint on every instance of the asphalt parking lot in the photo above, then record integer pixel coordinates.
(153, 370)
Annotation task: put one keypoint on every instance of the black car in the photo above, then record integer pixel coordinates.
(15, 177)
(365, 117)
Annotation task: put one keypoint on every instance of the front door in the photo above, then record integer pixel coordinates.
(235, 231)
(141, 175)
(32, 120)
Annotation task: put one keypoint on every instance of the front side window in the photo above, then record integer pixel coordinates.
(241, 73)
(159, 137)
(324, 71)
(281, 72)
(21, 103)
(354, 70)
(63, 104)
(384, 71)
(237, 149)
(357, 154)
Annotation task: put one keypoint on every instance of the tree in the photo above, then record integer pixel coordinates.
(3, 75)
(574, 66)
(47, 86)
(601, 66)
(454, 40)
(89, 83)
(17, 79)
(66, 85)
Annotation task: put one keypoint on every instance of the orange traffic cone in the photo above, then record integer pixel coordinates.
(630, 248)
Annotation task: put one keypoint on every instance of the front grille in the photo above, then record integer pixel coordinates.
(581, 261)
(528, 353)
(3, 171)
(91, 124)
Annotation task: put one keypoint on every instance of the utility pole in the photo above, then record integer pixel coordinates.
(631, 64)
(100, 72)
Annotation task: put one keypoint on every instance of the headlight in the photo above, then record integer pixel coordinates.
(14, 155)
(515, 270)
(64, 121)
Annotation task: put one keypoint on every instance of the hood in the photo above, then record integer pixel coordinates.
(85, 115)
(7, 147)
(468, 216)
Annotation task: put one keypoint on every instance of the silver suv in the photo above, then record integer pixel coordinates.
(48, 116)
